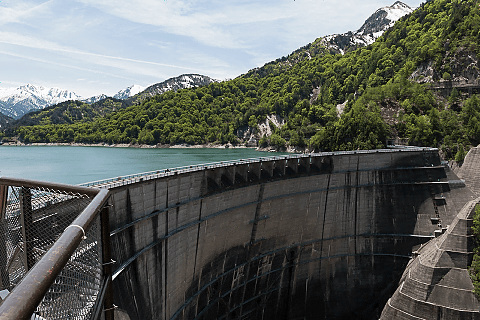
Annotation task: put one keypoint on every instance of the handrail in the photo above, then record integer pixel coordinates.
(18, 182)
(25, 297)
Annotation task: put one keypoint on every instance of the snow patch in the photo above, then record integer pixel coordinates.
(95, 98)
(128, 92)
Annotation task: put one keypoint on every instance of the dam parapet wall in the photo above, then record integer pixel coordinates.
(324, 236)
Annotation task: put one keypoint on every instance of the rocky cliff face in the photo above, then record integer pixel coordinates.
(460, 65)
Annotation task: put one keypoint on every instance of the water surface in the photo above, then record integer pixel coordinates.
(74, 165)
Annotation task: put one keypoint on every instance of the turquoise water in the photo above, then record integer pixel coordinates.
(74, 165)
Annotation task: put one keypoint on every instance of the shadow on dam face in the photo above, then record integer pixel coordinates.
(301, 244)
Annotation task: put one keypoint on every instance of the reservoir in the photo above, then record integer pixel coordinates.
(75, 165)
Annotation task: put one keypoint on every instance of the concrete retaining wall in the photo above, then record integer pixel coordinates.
(470, 170)
(437, 285)
(323, 237)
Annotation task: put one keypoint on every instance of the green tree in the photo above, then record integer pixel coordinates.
(474, 268)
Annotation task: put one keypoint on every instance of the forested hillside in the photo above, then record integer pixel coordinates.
(379, 87)
(69, 112)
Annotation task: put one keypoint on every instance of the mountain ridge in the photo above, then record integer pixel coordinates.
(28, 98)
(373, 27)
(128, 92)
(69, 111)
(16, 102)
(183, 81)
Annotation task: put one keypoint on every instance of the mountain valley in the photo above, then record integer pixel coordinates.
(342, 94)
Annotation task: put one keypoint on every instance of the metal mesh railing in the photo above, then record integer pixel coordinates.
(75, 290)
(33, 219)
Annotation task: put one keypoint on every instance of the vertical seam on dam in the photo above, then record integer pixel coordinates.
(198, 236)
(155, 195)
(252, 240)
(130, 218)
(356, 204)
(165, 250)
(324, 214)
(257, 213)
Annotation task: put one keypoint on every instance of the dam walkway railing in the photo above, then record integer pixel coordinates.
(54, 251)
(138, 177)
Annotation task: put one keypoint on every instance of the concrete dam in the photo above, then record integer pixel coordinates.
(320, 236)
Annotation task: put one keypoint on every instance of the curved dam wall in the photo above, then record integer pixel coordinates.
(324, 236)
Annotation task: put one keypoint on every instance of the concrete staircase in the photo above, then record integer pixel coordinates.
(470, 170)
(436, 284)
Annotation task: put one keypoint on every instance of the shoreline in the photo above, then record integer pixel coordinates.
(157, 146)
(126, 145)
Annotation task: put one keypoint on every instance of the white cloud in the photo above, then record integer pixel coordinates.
(151, 40)
(63, 65)
(106, 60)
(221, 24)
(207, 24)
(18, 11)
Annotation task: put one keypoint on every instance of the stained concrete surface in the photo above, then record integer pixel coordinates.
(323, 237)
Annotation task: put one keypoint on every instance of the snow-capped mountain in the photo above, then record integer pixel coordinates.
(128, 92)
(372, 29)
(15, 102)
(181, 82)
(95, 98)
(121, 95)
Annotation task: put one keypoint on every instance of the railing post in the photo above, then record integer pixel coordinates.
(27, 225)
(3, 201)
(4, 276)
(107, 264)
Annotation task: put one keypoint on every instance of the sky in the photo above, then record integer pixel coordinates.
(102, 46)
